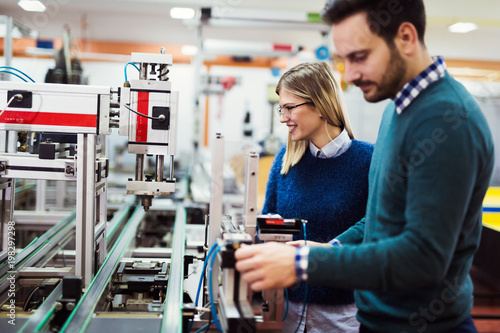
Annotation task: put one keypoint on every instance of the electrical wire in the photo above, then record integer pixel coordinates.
(10, 101)
(62, 252)
(22, 78)
(204, 327)
(160, 117)
(212, 249)
(305, 234)
(17, 70)
(210, 288)
(286, 309)
(28, 299)
(303, 310)
(193, 272)
(125, 69)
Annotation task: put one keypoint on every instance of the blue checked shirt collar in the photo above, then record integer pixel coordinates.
(412, 89)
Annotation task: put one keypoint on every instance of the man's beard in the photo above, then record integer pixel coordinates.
(391, 82)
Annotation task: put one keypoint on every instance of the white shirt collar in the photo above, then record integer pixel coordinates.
(334, 148)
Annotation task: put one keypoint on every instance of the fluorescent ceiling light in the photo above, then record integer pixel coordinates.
(462, 27)
(181, 13)
(31, 5)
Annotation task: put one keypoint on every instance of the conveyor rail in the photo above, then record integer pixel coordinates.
(81, 316)
(36, 251)
(43, 315)
(172, 316)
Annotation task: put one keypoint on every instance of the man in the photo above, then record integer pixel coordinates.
(409, 258)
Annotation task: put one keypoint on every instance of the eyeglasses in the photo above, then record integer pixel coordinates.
(288, 109)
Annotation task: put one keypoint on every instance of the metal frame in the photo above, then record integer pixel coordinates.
(90, 206)
(91, 199)
(251, 184)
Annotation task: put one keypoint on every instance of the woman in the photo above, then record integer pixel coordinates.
(320, 176)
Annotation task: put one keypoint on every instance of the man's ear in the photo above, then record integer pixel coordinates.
(406, 39)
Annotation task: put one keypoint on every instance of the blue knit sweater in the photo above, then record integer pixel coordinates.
(330, 194)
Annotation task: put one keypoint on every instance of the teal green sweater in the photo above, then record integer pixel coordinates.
(409, 258)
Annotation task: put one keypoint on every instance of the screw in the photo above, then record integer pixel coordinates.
(70, 306)
(70, 170)
(58, 306)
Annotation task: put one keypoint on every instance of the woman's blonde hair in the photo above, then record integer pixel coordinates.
(315, 84)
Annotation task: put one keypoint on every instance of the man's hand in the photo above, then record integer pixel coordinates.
(267, 266)
(309, 243)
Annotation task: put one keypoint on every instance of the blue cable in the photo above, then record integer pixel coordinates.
(203, 273)
(286, 309)
(201, 280)
(304, 227)
(125, 69)
(22, 78)
(204, 327)
(17, 70)
(210, 291)
(303, 310)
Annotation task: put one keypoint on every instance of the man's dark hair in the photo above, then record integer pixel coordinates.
(384, 16)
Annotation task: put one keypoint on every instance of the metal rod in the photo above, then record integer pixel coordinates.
(139, 167)
(143, 74)
(41, 191)
(171, 167)
(160, 159)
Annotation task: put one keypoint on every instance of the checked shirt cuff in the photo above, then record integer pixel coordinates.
(335, 242)
(301, 262)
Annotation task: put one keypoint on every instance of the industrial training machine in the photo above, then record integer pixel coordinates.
(128, 264)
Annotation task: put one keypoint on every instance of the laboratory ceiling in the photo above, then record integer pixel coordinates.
(453, 9)
(149, 21)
